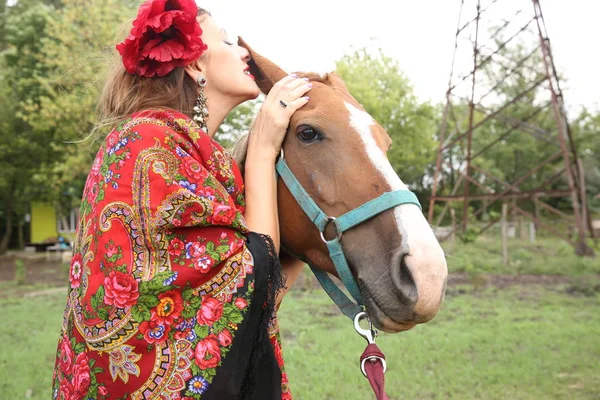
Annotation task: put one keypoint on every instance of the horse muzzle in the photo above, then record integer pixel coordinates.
(410, 293)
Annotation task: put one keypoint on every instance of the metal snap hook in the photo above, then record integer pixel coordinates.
(369, 334)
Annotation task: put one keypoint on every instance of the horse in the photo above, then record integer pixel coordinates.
(337, 151)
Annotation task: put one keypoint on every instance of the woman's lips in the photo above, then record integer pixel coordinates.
(248, 74)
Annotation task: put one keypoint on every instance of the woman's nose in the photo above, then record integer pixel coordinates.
(245, 54)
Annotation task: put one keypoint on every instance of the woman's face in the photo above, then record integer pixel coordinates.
(225, 65)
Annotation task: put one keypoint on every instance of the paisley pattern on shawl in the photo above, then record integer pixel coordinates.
(161, 277)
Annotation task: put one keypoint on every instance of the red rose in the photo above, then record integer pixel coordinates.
(176, 246)
(92, 192)
(111, 250)
(102, 390)
(208, 352)
(194, 249)
(204, 264)
(225, 338)
(284, 379)
(65, 390)
(193, 169)
(66, 356)
(210, 311)
(207, 192)
(97, 163)
(285, 387)
(223, 215)
(180, 335)
(154, 332)
(81, 376)
(121, 290)
(233, 248)
(241, 303)
(277, 351)
(169, 307)
(165, 35)
(76, 270)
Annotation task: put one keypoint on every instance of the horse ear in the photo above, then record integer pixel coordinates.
(265, 72)
(336, 81)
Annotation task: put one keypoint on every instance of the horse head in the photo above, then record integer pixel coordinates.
(338, 153)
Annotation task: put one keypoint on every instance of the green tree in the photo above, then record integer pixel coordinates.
(22, 149)
(53, 58)
(238, 122)
(77, 50)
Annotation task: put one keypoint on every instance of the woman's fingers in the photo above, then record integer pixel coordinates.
(282, 83)
(298, 91)
(288, 89)
(296, 104)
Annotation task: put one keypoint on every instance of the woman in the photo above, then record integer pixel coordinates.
(175, 273)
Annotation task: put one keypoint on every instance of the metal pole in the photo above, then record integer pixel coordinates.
(471, 115)
(581, 248)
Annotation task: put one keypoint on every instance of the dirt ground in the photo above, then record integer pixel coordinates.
(54, 274)
(39, 270)
(502, 281)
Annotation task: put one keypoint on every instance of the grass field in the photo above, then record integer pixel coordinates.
(490, 341)
(515, 343)
(545, 256)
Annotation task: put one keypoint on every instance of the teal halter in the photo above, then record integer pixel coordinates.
(342, 223)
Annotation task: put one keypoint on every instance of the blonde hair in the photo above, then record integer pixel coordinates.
(124, 94)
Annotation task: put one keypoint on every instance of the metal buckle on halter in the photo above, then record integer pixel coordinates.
(369, 335)
(338, 237)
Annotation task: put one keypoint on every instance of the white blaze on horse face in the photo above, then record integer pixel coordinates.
(408, 216)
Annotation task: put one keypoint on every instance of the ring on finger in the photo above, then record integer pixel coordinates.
(283, 103)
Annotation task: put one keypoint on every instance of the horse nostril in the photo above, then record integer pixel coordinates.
(404, 283)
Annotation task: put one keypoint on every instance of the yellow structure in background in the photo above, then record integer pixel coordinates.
(43, 222)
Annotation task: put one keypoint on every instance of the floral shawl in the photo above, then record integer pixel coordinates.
(163, 278)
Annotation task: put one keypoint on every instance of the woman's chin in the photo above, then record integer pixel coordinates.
(250, 94)
(254, 93)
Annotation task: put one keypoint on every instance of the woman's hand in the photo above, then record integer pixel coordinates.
(272, 121)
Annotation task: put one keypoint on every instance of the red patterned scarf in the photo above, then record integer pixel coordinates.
(161, 279)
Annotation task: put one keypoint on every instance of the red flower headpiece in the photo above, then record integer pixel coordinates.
(165, 35)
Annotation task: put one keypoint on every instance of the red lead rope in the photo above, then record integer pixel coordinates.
(372, 363)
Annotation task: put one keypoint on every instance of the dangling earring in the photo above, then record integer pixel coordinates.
(200, 109)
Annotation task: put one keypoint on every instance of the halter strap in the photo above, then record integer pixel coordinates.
(312, 210)
(375, 207)
(343, 223)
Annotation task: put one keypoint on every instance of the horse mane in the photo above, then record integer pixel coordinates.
(238, 151)
(240, 147)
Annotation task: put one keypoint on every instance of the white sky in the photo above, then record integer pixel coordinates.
(309, 35)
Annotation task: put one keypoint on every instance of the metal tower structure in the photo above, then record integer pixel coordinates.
(503, 91)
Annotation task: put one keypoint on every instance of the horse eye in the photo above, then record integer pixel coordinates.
(308, 134)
